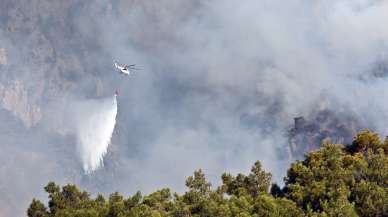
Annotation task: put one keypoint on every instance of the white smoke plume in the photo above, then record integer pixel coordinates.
(220, 85)
(95, 122)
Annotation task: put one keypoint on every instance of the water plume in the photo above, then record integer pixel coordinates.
(95, 122)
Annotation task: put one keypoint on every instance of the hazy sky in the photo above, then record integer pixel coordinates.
(220, 84)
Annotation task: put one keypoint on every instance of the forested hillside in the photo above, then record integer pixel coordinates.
(335, 180)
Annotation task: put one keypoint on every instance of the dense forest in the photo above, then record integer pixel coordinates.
(335, 180)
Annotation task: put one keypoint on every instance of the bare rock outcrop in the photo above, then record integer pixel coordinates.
(3, 56)
(325, 125)
(14, 98)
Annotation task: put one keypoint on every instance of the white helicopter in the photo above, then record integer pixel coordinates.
(125, 69)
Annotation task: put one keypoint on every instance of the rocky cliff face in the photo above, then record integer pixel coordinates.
(308, 133)
(14, 98)
(40, 56)
(40, 60)
(3, 56)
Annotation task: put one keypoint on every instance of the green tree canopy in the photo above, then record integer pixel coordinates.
(335, 180)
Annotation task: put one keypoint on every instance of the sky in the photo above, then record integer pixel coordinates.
(220, 84)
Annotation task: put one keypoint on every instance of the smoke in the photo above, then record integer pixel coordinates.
(95, 121)
(220, 86)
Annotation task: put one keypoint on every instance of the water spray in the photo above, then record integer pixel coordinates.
(95, 126)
